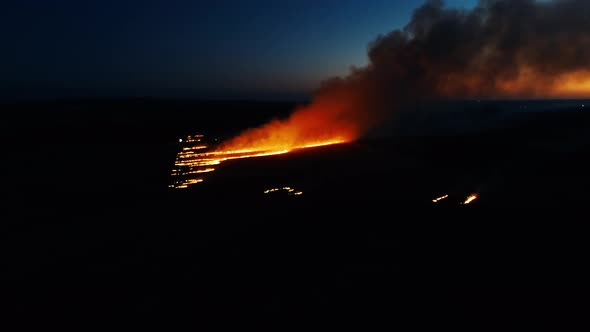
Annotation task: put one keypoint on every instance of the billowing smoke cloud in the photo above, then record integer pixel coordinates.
(501, 48)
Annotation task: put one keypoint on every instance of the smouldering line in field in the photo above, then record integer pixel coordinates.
(436, 200)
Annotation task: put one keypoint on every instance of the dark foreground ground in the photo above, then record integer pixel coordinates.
(91, 234)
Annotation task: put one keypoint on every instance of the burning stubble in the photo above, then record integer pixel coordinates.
(499, 49)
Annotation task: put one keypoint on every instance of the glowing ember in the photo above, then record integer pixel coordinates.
(190, 163)
(436, 200)
(288, 190)
(470, 199)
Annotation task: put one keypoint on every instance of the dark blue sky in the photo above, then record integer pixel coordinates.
(182, 48)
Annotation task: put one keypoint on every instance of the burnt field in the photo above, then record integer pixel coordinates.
(91, 230)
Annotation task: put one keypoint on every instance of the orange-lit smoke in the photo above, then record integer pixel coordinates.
(527, 82)
(501, 48)
(329, 119)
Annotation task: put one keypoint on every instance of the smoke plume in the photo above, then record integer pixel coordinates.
(501, 48)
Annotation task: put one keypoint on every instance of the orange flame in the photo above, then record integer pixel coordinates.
(322, 123)
(470, 199)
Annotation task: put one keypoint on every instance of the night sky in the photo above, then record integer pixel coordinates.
(220, 49)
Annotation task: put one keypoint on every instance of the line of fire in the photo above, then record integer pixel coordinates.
(198, 156)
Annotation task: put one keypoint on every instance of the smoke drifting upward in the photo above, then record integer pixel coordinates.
(501, 48)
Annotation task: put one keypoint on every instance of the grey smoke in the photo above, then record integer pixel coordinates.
(454, 53)
(499, 49)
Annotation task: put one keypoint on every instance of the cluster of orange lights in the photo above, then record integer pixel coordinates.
(288, 190)
(187, 167)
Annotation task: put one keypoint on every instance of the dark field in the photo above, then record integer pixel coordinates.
(91, 232)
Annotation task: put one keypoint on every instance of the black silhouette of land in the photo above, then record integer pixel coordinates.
(91, 231)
